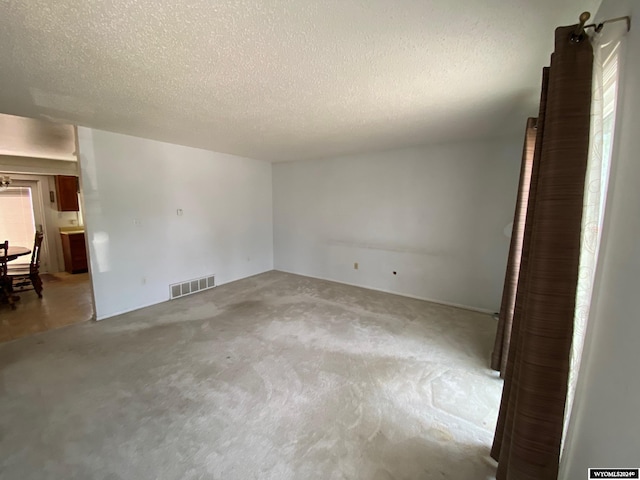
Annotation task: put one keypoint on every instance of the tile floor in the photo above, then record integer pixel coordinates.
(66, 299)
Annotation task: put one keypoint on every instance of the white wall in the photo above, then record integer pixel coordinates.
(138, 245)
(605, 424)
(11, 164)
(30, 137)
(435, 215)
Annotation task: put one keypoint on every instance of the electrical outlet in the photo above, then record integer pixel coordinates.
(355, 266)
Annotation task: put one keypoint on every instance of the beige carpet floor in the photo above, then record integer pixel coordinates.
(273, 377)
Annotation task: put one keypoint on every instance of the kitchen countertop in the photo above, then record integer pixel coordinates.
(71, 230)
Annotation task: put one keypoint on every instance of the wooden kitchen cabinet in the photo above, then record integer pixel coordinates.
(75, 252)
(67, 191)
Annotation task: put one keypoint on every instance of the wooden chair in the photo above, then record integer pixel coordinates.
(4, 251)
(5, 281)
(28, 277)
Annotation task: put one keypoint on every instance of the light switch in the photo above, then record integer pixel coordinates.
(179, 212)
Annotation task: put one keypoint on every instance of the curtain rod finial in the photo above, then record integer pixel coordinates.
(578, 34)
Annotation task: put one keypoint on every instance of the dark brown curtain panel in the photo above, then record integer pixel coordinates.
(529, 430)
(505, 320)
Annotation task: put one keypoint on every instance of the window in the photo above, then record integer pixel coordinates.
(17, 223)
(603, 114)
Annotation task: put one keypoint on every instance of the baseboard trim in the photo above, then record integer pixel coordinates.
(415, 297)
(122, 312)
(111, 315)
(425, 299)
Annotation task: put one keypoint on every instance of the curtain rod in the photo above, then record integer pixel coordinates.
(578, 33)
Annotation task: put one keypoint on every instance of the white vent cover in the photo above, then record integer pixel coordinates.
(181, 289)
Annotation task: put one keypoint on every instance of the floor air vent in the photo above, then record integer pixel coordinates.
(178, 290)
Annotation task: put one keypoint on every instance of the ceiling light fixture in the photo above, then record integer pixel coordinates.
(4, 183)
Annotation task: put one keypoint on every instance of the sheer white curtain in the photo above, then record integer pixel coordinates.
(606, 47)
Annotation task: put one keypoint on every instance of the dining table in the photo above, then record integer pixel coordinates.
(15, 252)
(6, 291)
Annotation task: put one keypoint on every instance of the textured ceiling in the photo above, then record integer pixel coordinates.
(281, 79)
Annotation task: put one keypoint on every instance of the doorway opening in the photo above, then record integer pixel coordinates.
(29, 204)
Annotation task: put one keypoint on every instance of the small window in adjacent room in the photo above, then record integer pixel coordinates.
(17, 222)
